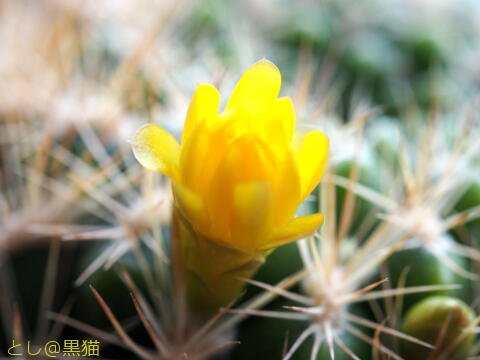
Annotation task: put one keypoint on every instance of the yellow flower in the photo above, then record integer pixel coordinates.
(238, 177)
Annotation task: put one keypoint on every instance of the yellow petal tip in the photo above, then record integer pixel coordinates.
(258, 87)
(156, 149)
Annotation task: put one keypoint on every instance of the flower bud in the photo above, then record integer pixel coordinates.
(446, 323)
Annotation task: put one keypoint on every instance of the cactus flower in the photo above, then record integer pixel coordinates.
(238, 178)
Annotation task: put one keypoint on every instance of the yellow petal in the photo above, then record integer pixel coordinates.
(191, 207)
(277, 123)
(193, 156)
(157, 150)
(230, 126)
(252, 214)
(297, 228)
(247, 159)
(204, 105)
(275, 126)
(312, 160)
(287, 189)
(258, 87)
(205, 147)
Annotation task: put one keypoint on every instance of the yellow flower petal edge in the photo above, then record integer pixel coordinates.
(238, 178)
(311, 160)
(295, 229)
(157, 150)
(204, 105)
(257, 88)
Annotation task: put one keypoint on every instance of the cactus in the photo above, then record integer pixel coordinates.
(234, 248)
(444, 321)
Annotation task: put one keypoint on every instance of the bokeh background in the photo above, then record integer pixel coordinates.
(79, 77)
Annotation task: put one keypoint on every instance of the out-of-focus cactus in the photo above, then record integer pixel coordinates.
(420, 268)
(470, 199)
(109, 283)
(445, 322)
(384, 135)
(261, 338)
(365, 174)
